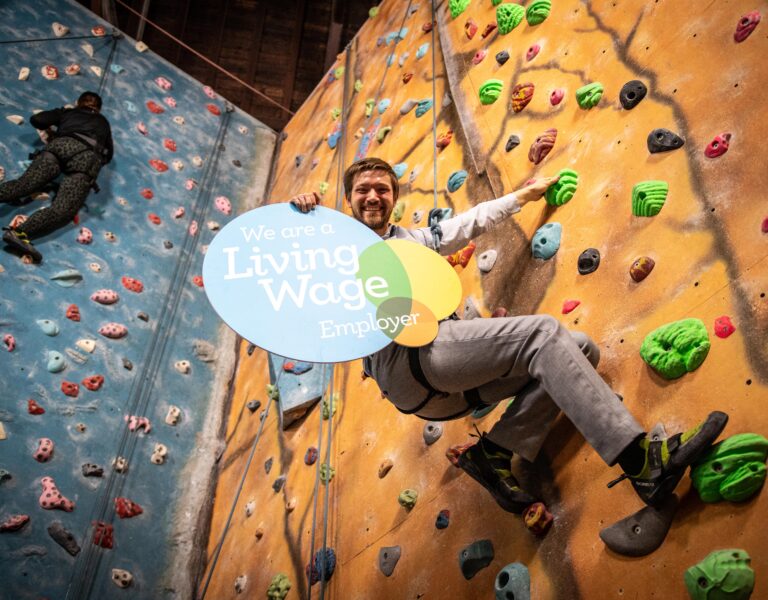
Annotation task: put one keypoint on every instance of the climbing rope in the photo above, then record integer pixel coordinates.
(107, 65)
(327, 486)
(434, 114)
(82, 579)
(52, 39)
(342, 139)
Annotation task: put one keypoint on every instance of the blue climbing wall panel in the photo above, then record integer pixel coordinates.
(151, 223)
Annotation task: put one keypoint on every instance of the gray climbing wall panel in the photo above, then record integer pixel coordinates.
(150, 222)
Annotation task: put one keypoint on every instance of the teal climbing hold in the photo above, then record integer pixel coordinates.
(589, 95)
(56, 362)
(648, 198)
(508, 16)
(722, 575)
(546, 240)
(422, 51)
(423, 107)
(677, 348)
(538, 11)
(490, 90)
(563, 189)
(49, 327)
(733, 469)
(475, 557)
(407, 498)
(456, 180)
(400, 169)
(67, 277)
(457, 7)
(383, 105)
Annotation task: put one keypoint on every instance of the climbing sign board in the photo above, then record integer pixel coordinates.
(322, 287)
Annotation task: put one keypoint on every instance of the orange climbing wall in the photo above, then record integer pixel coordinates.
(710, 261)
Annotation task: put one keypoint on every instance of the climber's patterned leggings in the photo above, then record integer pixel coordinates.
(80, 166)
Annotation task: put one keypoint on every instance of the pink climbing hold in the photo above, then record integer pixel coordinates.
(142, 128)
(155, 219)
(542, 145)
(208, 91)
(532, 52)
(44, 450)
(105, 296)
(103, 535)
(724, 327)
(10, 342)
(569, 305)
(33, 408)
(158, 165)
(126, 508)
(163, 83)
(470, 28)
(147, 193)
(213, 109)
(170, 101)
(73, 312)
(85, 236)
(764, 225)
(556, 96)
(52, 498)
(190, 184)
(133, 285)
(223, 205)
(179, 212)
(50, 72)
(14, 523)
(70, 389)
(746, 26)
(499, 313)
(193, 227)
(93, 382)
(155, 108)
(114, 331)
(479, 56)
(198, 280)
(427, 27)
(718, 146)
(135, 423)
(169, 144)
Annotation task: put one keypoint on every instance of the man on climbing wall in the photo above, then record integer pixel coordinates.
(78, 147)
(476, 363)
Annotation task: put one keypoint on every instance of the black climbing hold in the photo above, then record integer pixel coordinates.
(388, 557)
(253, 405)
(268, 465)
(475, 557)
(502, 57)
(237, 163)
(512, 142)
(91, 470)
(127, 365)
(632, 93)
(168, 244)
(251, 348)
(63, 538)
(143, 316)
(298, 159)
(279, 483)
(642, 532)
(432, 433)
(589, 260)
(663, 140)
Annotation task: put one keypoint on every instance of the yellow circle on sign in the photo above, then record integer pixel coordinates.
(416, 324)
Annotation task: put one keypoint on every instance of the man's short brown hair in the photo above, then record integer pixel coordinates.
(369, 164)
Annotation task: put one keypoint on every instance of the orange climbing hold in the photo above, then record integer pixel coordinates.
(444, 139)
(522, 94)
(213, 109)
(33, 408)
(134, 285)
(73, 312)
(153, 218)
(462, 256)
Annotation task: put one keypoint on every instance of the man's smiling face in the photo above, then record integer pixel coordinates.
(372, 199)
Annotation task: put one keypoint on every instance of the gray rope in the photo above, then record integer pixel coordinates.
(434, 112)
(315, 494)
(327, 486)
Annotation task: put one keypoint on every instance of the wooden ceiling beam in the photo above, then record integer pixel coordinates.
(254, 50)
(293, 62)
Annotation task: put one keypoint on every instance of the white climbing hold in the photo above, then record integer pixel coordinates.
(15, 119)
(250, 507)
(471, 311)
(179, 120)
(120, 464)
(178, 165)
(87, 48)
(59, 30)
(23, 73)
(179, 212)
(182, 366)
(86, 345)
(197, 161)
(243, 129)
(408, 106)
(95, 267)
(141, 47)
(213, 225)
(417, 216)
(158, 456)
(96, 70)
(121, 578)
(486, 260)
(240, 583)
(173, 416)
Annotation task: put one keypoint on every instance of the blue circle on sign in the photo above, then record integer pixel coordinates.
(288, 282)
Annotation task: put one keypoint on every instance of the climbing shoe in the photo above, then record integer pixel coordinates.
(666, 460)
(491, 469)
(20, 242)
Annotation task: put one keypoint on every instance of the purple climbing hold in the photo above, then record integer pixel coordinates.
(589, 260)
(443, 519)
(532, 52)
(542, 146)
(310, 457)
(253, 405)
(556, 96)
(746, 26)
(92, 470)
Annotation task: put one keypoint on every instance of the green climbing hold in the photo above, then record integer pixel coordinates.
(338, 72)
(538, 11)
(589, 95)
(675, 349)
(335, 113)
(322, 187)
(563, 189)
(398, 211)
(382, 134)
(326, 473)
(496, 2)
(272, 392)
(457, 7)
(358, 85)
(733, 469)
(490, 91)
(508, 16)
(369, 104)
(407, 498)
(648, 197)
(327, 413)
(279, 587)
(722, 575)
(373, 11)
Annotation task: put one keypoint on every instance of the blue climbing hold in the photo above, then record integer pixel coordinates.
(333, 139)
(130, 106)
(56, 362)
(323, 566)
(443, 519)
(423, 106)
(297, 367)
(116, 69)
(383, 105)
(546, 240)
(478, 413)
(400, 169)
(67, 277)
(422, 51)
(513, 581)
(49, 327)
(456, 180)
(475, 557)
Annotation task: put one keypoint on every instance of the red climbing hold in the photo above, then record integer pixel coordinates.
(153, 218)
(542, 145)
(746, 25)
(158, 165)
(99, 30)
(454, 452)
(70, 389)
(489, 29)
(462, 256)
(155, 108)
(532, 52)
(522, 94)
(147, 193)
(407, 77)
(198, 280)
(33, 408)
(569, 305)
(14, 523)
(427, 27)
(499, 313)
(169, 144)
(94, 382)
(73, 312)
(764, 226)
(126, 509)
(142, 128)
(718, 146)
(537, 518)
(310, 456)
(103, 534)
(132, 284)
(470, 28)
(724, 327)
(444, 139)
(213, 109)
(52, 498)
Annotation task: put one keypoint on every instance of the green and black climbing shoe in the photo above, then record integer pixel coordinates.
(491, 469)
(666, 460)
(20, 242)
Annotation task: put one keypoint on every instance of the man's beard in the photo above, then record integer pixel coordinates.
(374, 219)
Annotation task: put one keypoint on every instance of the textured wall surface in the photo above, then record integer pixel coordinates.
(219, 154)
(710, 258)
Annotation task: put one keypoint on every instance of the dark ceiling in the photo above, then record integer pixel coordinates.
(282, 48)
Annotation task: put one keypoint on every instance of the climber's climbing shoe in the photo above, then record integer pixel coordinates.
(20, 242)
(666, 460)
